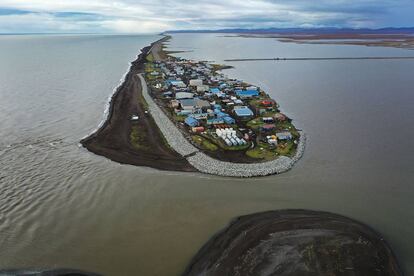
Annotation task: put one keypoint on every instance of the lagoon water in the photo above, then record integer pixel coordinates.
(61, 206)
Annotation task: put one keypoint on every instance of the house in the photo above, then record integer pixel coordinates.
(217, 92)
(202, 104)
(200, 116)
(188, 104)
(284, 135)
(267, 120)
(223, 85)
(215, 121)
(267, 103)
(175, 104)
(229, 120)
(184, 95)
(167, 94)
(214, 90)
(252, 88)
(196, 82)
(202, 88)
(177, 83)
(247, 93)
(191, 121)
(243, 111)
(198, 129)
(268, 127)
(183, 112)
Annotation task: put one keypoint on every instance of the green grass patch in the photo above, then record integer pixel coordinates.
(286, 148)
(255, 124)
(138, 138)
(287, 125)
(179, 118)
(262, 151)
(204, 143)
(143, 102)
(150, 57)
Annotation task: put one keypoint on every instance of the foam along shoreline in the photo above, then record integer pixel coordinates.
(207, 164)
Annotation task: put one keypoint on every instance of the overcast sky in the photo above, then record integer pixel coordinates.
(149, 16)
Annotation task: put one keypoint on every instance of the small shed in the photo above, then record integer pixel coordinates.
(268, 120)
(267, 103)
(284, 135)
(198, 129)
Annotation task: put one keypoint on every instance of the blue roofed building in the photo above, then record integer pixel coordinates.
(243, 111)
(247, 93)
(191, 121)
(214, 90)
(217, 106)
(284, 135)
(220, 113)
(229, 120)
(215, 121)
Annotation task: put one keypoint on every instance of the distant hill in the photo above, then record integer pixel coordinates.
(304, 31)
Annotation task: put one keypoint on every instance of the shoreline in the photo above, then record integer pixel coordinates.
(295, 242)
(112, 138)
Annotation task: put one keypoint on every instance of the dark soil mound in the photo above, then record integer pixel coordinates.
(295, 242)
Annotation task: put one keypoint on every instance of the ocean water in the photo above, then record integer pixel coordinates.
(61, 206)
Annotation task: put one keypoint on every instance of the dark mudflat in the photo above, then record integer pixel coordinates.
(295, 242)
(112, 140)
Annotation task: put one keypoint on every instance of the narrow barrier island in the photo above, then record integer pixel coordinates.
(189, 113)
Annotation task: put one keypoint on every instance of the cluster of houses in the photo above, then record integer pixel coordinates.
(208, 102)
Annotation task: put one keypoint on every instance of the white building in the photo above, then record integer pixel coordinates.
(196, 82)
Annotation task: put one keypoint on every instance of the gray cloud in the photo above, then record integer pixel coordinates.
(143, 16)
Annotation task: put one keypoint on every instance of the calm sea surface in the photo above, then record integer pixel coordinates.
(61, 206)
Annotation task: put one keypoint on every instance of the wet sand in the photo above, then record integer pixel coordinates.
(295, 242)
(405, 41)
(112, 140)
